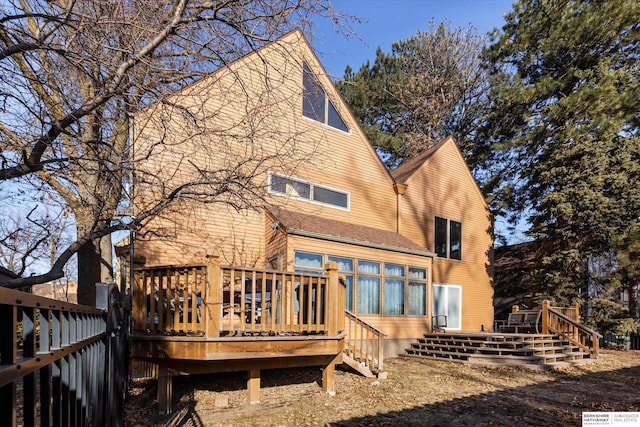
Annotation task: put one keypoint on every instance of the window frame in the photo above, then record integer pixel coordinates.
(312, 187)
(351, 302)
(446, 288)
(328, 104)
(448, 242)
(417, 281)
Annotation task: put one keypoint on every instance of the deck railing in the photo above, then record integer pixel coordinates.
(364, 344)
(211, 300)
(556, 322)
(572, 312)
(59, 362)
(169, 299)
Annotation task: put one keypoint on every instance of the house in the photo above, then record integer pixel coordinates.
(407, 244)
(67, 291)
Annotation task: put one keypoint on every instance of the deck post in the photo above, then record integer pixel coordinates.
(165, 389)
(576, 311)
(213, 297)
(329, 376)
(333, 308)
(253, 386)
(545, 316)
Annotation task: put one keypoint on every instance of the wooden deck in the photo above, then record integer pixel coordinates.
(540, 351)
(563, 341)
(208, 318)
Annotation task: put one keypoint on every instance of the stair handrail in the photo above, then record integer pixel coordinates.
(570, 329)
(358, 346)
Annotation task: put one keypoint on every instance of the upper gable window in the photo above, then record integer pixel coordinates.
(299, 189)
(448, 238)
(316, 105)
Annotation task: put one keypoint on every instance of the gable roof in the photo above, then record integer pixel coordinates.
(306, 225)
(406, 170)
(304, 53)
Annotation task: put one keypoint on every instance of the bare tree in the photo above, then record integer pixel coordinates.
(74, 73)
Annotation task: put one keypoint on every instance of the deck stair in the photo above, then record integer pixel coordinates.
(508, 349)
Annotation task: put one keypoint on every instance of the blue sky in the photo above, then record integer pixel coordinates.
(388, 21)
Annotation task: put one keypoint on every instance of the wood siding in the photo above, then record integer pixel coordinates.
(258, 104)
(444, 187)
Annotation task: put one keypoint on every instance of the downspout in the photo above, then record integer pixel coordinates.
(399, 189)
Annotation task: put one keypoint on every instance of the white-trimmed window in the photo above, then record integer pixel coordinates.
(316, 105)
(448, 238)
(447, 300)
(299, 189)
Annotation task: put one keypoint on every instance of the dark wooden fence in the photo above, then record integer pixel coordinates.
(634, 341)
(62, 364)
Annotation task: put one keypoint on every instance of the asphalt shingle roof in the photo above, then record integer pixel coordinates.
(296, 222)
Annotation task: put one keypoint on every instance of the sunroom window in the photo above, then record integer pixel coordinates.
(316, 105)
(373, 287)
(393, 289)
(368, 287)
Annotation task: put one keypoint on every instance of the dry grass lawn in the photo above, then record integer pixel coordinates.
(416, 393)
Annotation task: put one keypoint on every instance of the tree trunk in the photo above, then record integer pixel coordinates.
(106, 259)
(94, 261)
(88, 273)
(632, 291)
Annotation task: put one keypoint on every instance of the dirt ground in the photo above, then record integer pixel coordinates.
(416, 393)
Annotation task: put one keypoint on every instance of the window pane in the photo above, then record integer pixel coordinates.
(368, 267)
(393, 296)
(313, 98)
(417, 299)
(455, 239)
(439, 300)
(279, 184)
(394, 270)
(344, 264)
(331, 197)
(335, 120)
(440, 245)
(303, 271)
(368, 295)
(349, 292)
(298, 189)
(453, 307)
(304, 259)
(417, 273)
(290, 187)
